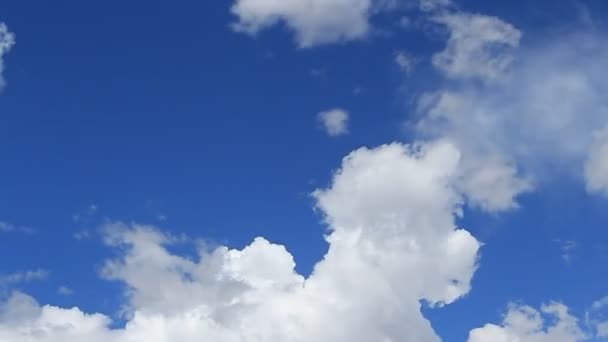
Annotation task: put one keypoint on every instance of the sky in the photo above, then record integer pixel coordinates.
(304, 170)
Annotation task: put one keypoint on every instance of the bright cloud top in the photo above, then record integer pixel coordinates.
(526, 324)
(391, 215)
(334, 122)
(320, 22)
(314, 22)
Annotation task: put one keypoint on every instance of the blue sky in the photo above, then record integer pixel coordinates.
(213, 123)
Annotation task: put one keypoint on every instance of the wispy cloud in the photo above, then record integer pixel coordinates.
(24, 277)
(6, 227)
(7, 41)
(65, 291)
(334, 122)
(405, 61)
(567, 248)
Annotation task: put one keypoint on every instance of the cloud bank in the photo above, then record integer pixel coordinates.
(321, 22)
(390, 212)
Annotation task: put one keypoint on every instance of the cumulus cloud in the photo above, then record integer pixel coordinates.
(314, 22)
(334, 122)
(390, 213)
(553, 323)
(7, 40)
(319, 22)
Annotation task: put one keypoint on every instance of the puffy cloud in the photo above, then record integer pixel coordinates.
(319, 22)
(7, 40)
(390, 213)
(23, 319)
(314, 22)
(478, 46)
(334, 122)
(526, 324)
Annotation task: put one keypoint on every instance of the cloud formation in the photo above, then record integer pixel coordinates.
(390, 213)
(553, 323)
(478, 46)
(334, 122)
(537, 110)
(321, 22)
(313, 22)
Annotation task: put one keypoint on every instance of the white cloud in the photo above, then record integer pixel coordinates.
(7, 41)
(553, 323)
(23, 319)
(478, 47)
(491, 183)
(390, 213)
(319, 22)
(334, 122)
(533, 124)
(314, 22)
